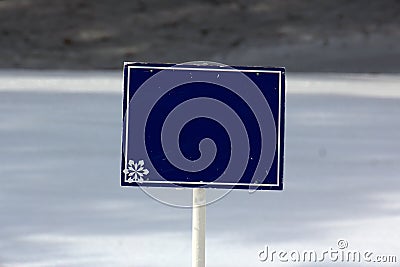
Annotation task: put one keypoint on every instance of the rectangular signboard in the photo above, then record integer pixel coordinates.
(202, 124)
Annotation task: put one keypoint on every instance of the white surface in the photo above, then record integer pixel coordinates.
(199, 227)
(61, 204)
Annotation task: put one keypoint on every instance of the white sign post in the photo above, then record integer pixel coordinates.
(199, 227)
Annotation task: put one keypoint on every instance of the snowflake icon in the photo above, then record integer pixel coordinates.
(135, 172)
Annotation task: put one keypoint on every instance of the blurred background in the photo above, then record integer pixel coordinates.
(61, 115)
(307, 36)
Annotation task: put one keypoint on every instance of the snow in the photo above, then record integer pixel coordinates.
(61, 204)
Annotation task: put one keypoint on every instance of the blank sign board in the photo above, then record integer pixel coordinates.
(203, 125)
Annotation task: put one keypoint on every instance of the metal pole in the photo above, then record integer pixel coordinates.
(199, 227)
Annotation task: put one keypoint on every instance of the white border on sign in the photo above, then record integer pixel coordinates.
(204, 69)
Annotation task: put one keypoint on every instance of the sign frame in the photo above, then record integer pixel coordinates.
(130, 67)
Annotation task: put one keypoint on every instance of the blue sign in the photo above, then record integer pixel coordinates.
(203, 125)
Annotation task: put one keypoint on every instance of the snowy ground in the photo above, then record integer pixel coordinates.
(61, 204)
